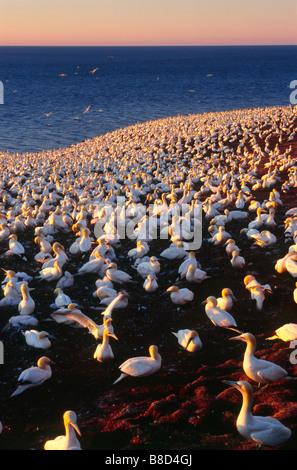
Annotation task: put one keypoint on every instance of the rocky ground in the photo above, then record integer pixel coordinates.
(186, 405)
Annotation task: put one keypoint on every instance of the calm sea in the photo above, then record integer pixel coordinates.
(52, 99)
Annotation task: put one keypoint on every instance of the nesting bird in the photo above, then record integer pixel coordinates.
(188, 339)
(37, 339)
(69, 441)
(226, 301)
(180, 296)
(34, 376)
(141, 366)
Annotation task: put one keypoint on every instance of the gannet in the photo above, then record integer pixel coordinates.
(231, 246)
(226, 301)
(34, 376)
(61, 300)
(103, 352)
(175, 251)
(218, 316)
(60, 256)
(116, 275)
(291, 265)
(148, 267)
(264, 238)
(140, 250)
(195, 275)
(264, 430)
(259, 370)
(27, 304)
(189, 261)
(73, 313)
(37, 339)
(141, 366)
(221, 236)
(287, 332)
(188, 339)
(256, 290)
(16, 247)
(69, 441)
(150, 284)
(67, 280)
(180, 296)
(92, 266)
(11, 295)
(51, 273)
(120, 301)
(237, 261)
(22, 320)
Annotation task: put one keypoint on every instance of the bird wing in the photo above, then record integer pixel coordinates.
(273, 434)
(291, 267)
(271, 372)
(33, 375)
(82, 319)
(138, 366)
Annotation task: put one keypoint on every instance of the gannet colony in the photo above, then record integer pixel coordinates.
(138, 255)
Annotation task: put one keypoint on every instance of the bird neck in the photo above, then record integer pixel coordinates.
(250, 348)
(25, 295)
(245, 414)
(70, 435)
(105, 340)
(154, 354)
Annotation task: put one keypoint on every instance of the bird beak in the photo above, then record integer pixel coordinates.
(112, 335)
(236, 338)
(204, 302)
(231, 383)
(190, 339)
(76, 428)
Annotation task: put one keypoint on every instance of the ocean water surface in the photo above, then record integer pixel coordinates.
(58, 96)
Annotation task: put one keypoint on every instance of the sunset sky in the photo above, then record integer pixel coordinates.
(148, 22)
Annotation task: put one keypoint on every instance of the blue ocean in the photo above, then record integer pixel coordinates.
(58, 96)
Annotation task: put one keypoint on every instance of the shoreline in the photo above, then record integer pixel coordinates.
(163, 120)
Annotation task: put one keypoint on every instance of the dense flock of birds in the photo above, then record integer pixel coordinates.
(164, 179)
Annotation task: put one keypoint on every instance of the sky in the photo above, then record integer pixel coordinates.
(147, 22)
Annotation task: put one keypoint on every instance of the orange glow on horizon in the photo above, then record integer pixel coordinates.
(149, 22)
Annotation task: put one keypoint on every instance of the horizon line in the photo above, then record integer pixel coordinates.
(148, 45)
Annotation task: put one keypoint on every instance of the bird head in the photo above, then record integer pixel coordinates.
(245, 337)
(153, 350)
(44, 361)
(241, 385)
(193, 334)
(71, 418)
(172, 289)
(228, 292)
(248, 279)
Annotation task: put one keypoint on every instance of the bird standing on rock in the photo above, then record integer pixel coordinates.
(259, 370)
(264, 430)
